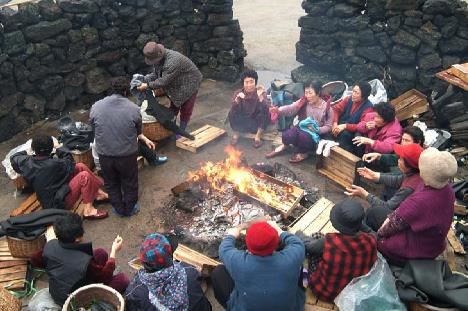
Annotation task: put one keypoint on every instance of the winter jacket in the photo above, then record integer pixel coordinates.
(385, 137)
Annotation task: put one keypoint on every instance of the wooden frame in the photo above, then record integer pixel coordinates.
(409, 104)
(340, 166)
(203, 136)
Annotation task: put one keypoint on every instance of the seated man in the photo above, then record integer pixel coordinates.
(340, 257)
(389, 162)
(57, 180)
(382, 129)
(71, 264)
(249, 112)
(260, 278)
(164, 284)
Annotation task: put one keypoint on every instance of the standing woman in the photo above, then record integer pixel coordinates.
(349, 112)
(317, 116)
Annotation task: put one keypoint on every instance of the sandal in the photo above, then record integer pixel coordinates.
(274, 153)
(298, 157)
(257, 144)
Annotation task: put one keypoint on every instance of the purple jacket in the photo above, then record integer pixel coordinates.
(423, 221)
(385, 137)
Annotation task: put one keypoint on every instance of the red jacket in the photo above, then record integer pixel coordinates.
(385, 137)
(339, 109)
(344, 258)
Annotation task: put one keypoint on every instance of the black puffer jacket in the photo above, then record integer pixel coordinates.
(48, 176)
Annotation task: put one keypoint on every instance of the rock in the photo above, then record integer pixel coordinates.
(199, 58)
(376, 9)
(57, 103)
(398, 72)
(345, 10)
(78, 6)
(117, 69)
(44, 30)
(306, 73)
(454, 45)
(367, 71)
(72, 93)
(110, 33)
(384, 40)
(149, 25)
(399, 87)
(402, 55)
(29, 13)
(405, 38)
(372, 53)
(7, 86)
(425, 80)
(3, 57)
(49, 10)
(226, 57)
(99, 21)
(145, 38)
(444, 7)
(51, 86)
(231, 30)
(14, 42)
(227, 73)
(41, 49)
(462, 32)
(214, 45)
(127, 11)
(35, 103)
(402, 5)
(141, 13)
(90, 35)
(413, 22)
(357, 23)
(128, 30)
(8, 127)
(366, 37)
(75, 79)
(359, 3)
(430, 61)
(165, 31)
(108, 58)
(320, 23)
(393, 23)
(76, 52)
(7, 103)
(219, 19)
(97, 81)
(317, 8)
(449, 60)
(414, 13)
(39, 72)
(82, 19)
(449, 29)
(428, 34)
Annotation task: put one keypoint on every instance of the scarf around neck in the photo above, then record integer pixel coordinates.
(167, 287)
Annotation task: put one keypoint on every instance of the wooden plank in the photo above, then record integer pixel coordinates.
(15, 2)
(203, 263)
(319, 223)
(14, 284)
(447, 76)
(328, 228)
(308, 217)
(12, 276)
(342, 182)
(455, 242)
(203, 136)
(12, 263)
(14, 269)
(24, 205)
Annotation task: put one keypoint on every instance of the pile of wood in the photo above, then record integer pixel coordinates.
(13, 271)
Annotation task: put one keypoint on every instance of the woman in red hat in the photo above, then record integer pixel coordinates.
(406, 184)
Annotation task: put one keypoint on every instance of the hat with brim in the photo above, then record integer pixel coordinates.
(154, 53)
(346, 216)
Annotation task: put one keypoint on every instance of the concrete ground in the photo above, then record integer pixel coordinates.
(270, 33)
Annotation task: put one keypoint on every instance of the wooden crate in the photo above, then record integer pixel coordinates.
(314, 304)
(31, 204)
(446, 75)
(409, 104)
(460, 71)
(203, 263)
(340, 166)
(203, 136)
(13, 271)
(315, 219)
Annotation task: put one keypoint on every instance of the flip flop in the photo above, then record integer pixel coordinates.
(298, 157)
(257, 144)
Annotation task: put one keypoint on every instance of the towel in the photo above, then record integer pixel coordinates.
(304, 126)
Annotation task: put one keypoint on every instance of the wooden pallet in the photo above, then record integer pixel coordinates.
(13, 271)
(340, 166)
(455, 242)
(203, 263)
(203, 136)
(447, 75)
(409, 104)
(314, 304)
(315, 219)
(274, 137)
(31, 204)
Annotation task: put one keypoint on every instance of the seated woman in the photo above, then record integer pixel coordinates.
(310, 108)
(349, 112)
(406, 183)
(57, 180)
(389, 162)
(249, 111)
(382, 129)
(418, 228)
(164, 284)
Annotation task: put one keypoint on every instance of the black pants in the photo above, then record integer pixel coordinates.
(375, 217)
(223, 285)
(345, 139)
(146, 152)
(121, 181)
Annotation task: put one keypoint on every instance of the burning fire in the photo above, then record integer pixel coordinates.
(219, 175)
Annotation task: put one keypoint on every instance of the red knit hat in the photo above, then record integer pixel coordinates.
(261, 239)
(410, 153)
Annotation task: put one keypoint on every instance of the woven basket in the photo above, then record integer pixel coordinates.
(85, 157)
(155, 131)
(8, 302)
(84, 296)
(25, 248)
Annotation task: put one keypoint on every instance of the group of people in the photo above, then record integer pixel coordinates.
(409, 220)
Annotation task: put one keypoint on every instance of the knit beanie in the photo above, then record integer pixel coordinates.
(410, 153)
(261, 239)
(437, 167)
(156, 251)
(346, 216)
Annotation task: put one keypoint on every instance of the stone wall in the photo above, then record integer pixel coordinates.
(55, 55)
(402, 42)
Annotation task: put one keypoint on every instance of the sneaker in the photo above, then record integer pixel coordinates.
(116, 212)
(158, 161)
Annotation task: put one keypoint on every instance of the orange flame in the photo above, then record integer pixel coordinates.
(217, 175)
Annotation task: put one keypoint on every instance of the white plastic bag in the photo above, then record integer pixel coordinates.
(42, 301)
(6, 162)
(374, 291)
(378, 93)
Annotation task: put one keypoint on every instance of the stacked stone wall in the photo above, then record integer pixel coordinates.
(55, 55)
(402, 42)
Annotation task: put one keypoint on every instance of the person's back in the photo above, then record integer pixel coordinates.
(115, 120)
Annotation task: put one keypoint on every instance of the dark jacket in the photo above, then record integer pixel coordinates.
(137, 295)
(66, 266)
(48, 176)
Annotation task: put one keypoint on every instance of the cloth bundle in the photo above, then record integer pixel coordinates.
(324, 147)
(306, 124)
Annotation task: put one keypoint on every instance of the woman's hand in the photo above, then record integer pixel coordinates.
(360, 140)
(274, 109)
(116, 246)
(356, 191)
(142, 87)
(370, 125)
(337, 129)
(368, 173)
(371, 157)
(260, 92)
(239, 96)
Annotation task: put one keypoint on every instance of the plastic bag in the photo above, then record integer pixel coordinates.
(378, 92)
(42, 301)
(374, 291)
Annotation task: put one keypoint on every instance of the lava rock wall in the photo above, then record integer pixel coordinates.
(55, 55)
(402, 42)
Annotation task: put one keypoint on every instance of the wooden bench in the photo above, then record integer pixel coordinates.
(316, 219)
(340, 166)
(13, 271)
(31, 204)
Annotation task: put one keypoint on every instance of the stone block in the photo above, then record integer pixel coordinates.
(14, 43)
(44, 30)
(345, 10)
(401, 5)
(321, 23)
(398, 72)
(78, 6)
(372, 53)
(51, 86)
(444, 7)
(317, 8)
(97, 81)
(454, 45)
(430, 61)
(405, 38)
(402, 55)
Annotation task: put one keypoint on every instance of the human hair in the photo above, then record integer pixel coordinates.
(42, 145)
(315, 85)
(386, 111)
(416, 133)
(68, 228)
(120, 85)
(249, 73)
(365, 88)
(411, 169)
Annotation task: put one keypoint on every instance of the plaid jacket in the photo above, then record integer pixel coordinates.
(344, 258)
